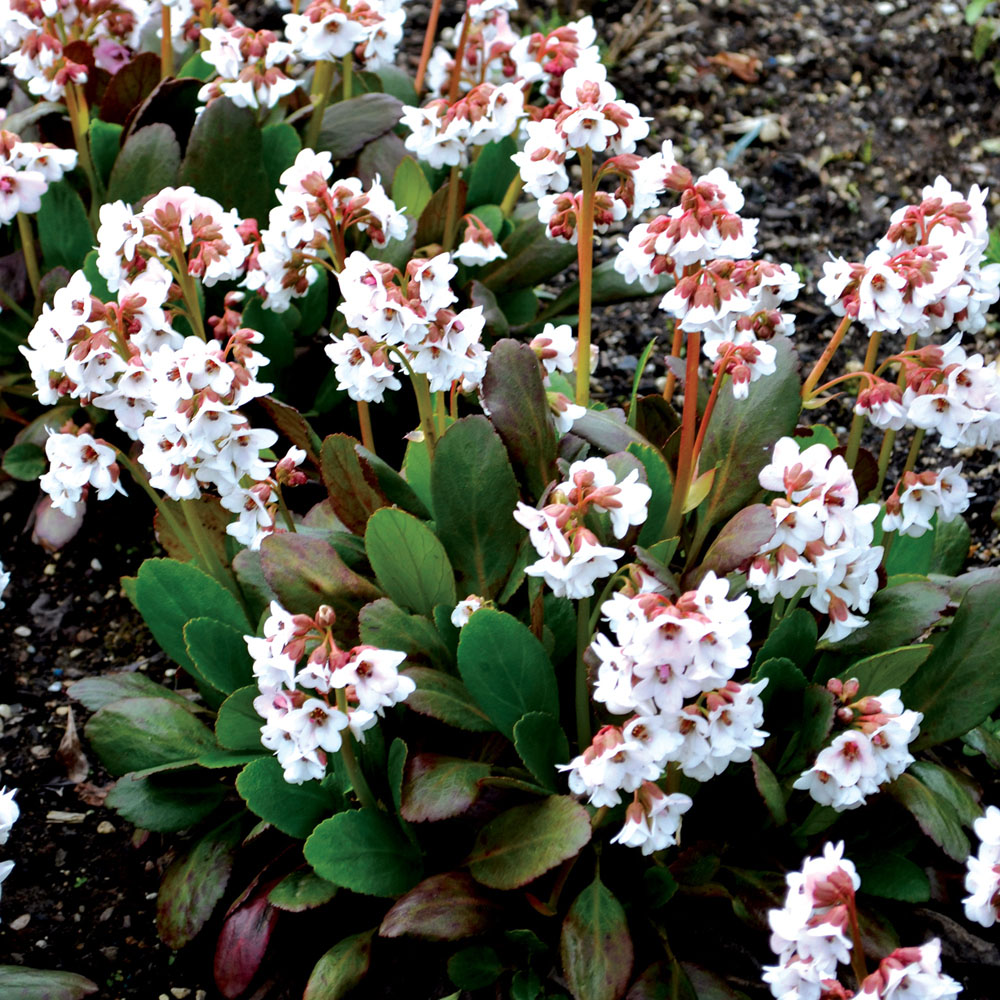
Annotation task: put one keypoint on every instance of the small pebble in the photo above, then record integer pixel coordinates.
(50, 570)
(20, 922)
(95, 564)
(180, 992)
(105, 827)
(23, 631)
(55, 686)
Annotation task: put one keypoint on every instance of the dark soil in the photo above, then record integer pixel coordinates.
(871, 101)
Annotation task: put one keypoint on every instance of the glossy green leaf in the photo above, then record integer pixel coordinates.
(446, 907)
(136, 733)
(348, 125)
(515, 398)
(958, 685)
(541, 744)
(951, 547)
(528, 840)
(410, 189)
(608, 285)
(387, 626)
(472, 486)
(531, 258)
(148, 162)
(659, 481)
(506, 669)
(21, 983)
(891, 669)
(365, 851)
(770, 790)
(741, 538)
(293, 809)
(933, 814)
(237, 726)
(194, 884)
(595, 945)
(794, 639)
(198, 67)
(63, 229)
(340, 969)
(165, 803)
(398, 492)
(25, 461)
(954, 787)
(784, 681)
(219, 653)
(301, 890)
(893, 876)
(96, 692)
(491, 174)
(437, 787)
(475, 967)
(278, 344)
(817, 720)
(280, 144)
(911, 555)
(446, 699)
(350, 482)
(409, 561)
(105, 143)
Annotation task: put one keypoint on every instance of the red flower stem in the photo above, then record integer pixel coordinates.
(710, 406)
(585, 261)
(365, 419)
(166, 45)
(675, 352)
(425, 53)
(456, 70)
(825, 358)
(858, 951)
(689, 418)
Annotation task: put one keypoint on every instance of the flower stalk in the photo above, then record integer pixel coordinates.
(585, 261)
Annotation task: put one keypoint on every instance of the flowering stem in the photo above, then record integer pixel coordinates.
(456, 70)
(348, 76)
(858, 423)
(166, 46)
(451, 214)
(209, 558)
(425, 53)
(79, 119)
(189, 292)
(440, 415)
(322, 78)
(421, 390)
(911, 461)
(858, 951)
(583, 637)
(685, 460)
(675, 352)
(365, 419)
(28, 249)
(585, 261)
(354, 772)
(710, 406)
(889, 439)
(511, 195)
(8, 303)
(138, 475)
(825, 358)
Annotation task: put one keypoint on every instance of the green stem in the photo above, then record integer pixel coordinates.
(889, 440)
(585, 262)
(79, 118)
(351, 765)
(451, 215)
(858, 423)
(348, 76)
(189, 291)
(583, 637)
(138, 475)
(28, 249)
(911, 461)
(320, 94)
(511, 195)
(208, 556)
(8, 303)
(421, 389)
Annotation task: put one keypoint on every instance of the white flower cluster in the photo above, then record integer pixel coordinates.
(9, 813)
(982, 882)
(409, 313)
(557, 351)
(250, 66)
(312, 214)
(813, 934)
(307, 708)
(77, 462)
(822, 543)
(926, 274)
(909, 510)
(571, 556)
(371, 30)
(671, 669)
(26, 171)
(870, 752)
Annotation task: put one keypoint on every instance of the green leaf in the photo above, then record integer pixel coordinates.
(96, 692)
(793, 639)
(893, 876)
(364, 851)
(170, 593)
(165, 803)
(595, 945)
(194, 884)
(43, 984)
(475, 967)
(387, 626)
(607, 286)
(445, 907)
(911, 555)
(607, 430)
(293, 809)
(446, 699)
(817, 720)
(397, 490)
(473, 487)
(506, 669)
(350, 482)
(409, 561)
(659, 481)
(491, 174)
(513, 394)
(741, 538)
(933, 814)
(411, 190)
(278, 344)
(430, 225)
(105, 143)
(705, 985)
(982, 38)
(293, 426)
(983, 741)
(220, 653)
(349, 125)
(130, 86)
(958, 686)
(437, 787)
(951, 547)
(25, 461)
(974, 10)
(542, 745)
(196, 66)
(314, 306)
(529, 840)
(784, 680)
(959, 791)
(301, 890)
(98, 286)
(884, 671)
(341, 969)
(658, 887)
(280, 144)
(519, 307)
(224, 159)
(237, 726)
(136, 733)
(148, 162)
(742, 435)
(63, 229)
(399, 83)
(531, 258)
(770, 790)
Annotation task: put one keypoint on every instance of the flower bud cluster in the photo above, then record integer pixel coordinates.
(910, 973)
(822, 543)
(982, 882)
(251, 66)
(926, 274)
(26, 171)
(919, 496)
(478, 246)
(869, 750)
(315, 213)
(407, 313)
(571, 556)
(671, 669)
(308, 705)
(371, 30)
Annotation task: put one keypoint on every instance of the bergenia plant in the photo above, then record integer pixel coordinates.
(466, 656)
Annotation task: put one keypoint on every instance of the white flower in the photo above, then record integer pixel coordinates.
(9, 812)
(982, 882)
(464, 610)
(653, 819)
(4, 581)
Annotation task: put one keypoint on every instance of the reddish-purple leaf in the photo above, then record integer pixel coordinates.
(595, 945)
(129, 87)
(293, 425)
(445, 907)
(430, 228)
(243, 942)
(438, 787)
(739, 541)
(351, 482)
